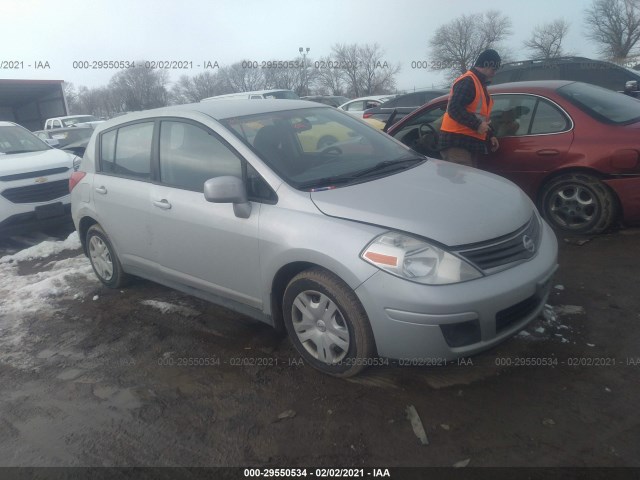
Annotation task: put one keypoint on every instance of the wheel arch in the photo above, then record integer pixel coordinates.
(83, 227)
(568, 171)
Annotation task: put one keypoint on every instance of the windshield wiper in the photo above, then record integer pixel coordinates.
(388, 165)
(399, 164)
(326, 182)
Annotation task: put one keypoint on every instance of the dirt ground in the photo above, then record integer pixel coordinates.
(102, 379)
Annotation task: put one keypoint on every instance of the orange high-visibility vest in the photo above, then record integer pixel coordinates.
(477, 107)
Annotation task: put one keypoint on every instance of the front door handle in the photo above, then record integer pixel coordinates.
(548, 152)
(163, 204)
(101, 190)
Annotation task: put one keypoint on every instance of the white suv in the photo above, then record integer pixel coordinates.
(34, 181)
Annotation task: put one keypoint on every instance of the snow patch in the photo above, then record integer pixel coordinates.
(166, 307)
(44, 249)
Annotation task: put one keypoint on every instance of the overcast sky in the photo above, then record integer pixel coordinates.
(61, 32)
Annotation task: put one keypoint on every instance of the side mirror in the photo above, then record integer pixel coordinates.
(228, 189)
(631, 86)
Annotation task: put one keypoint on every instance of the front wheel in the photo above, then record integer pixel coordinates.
(327, 323)
(578, 203)
(103, 258)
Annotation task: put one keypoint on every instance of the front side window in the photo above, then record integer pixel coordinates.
(190, 155)
(511, 115)
(126, 151)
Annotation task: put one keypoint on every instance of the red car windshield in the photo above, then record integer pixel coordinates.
(602, 104)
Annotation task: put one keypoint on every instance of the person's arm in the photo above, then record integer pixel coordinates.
(464, 91)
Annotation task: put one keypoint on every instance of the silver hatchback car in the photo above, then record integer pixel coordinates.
(307, 219)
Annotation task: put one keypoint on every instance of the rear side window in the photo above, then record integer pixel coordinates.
(190, 155)
(548, 119)
(126, 151)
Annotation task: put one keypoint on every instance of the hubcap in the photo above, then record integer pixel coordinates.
(572, 206)
(101, 258)
(320, 326)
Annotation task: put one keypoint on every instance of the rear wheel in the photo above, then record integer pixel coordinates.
(578, 203)
(327, 324)
(103, 258)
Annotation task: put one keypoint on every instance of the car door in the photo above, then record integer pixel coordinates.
(535, 135)
(201, 244)
(121, 191)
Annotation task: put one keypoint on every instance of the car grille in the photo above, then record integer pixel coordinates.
(42, 192)
(40, 173)
(515, 313)
(517, 246)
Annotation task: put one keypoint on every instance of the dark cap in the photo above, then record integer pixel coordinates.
(488, 59)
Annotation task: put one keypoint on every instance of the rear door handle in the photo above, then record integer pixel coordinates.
(101, 190)
(163, 204)
(548, 153)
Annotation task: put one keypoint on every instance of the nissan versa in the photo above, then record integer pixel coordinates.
(361, 248)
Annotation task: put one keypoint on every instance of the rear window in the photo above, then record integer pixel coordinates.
(602, 104)
(286, 94)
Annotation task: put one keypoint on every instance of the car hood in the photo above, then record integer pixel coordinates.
(442, 201)
(34, 161)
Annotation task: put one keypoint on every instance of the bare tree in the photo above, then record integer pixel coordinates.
(546, 40)
(377, 75)
(288, 75)
(615, 26)
(362, 68)
(141, 88)
(330, 81)
(193, 89)
(456, 45)
(243, 76)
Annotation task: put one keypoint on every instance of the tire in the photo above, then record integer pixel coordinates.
(103, 258)
(337, 343)
(326, 141)
(578, 203)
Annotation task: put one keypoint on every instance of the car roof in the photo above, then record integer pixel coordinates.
(65, 129)
(7, 124)
(70, 116)
(532, 86)
(223, 109)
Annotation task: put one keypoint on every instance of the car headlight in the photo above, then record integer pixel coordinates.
(416, 260)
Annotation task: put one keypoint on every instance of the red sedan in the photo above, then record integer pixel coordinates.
(574, 148)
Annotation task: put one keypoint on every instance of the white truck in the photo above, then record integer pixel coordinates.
(30, 102)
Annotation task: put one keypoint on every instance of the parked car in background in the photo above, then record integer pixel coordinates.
(580, 69)
(572, 147)
(362, 251)
(334, 101)
(72, 121)
(256, 95)
(357, 106)
(64, 136)
(401, 105)
(34, 181)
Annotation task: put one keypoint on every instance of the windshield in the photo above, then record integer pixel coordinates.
(286, 94)
(602, 104)
(69, 122)
(14, 139)
(319, 147)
